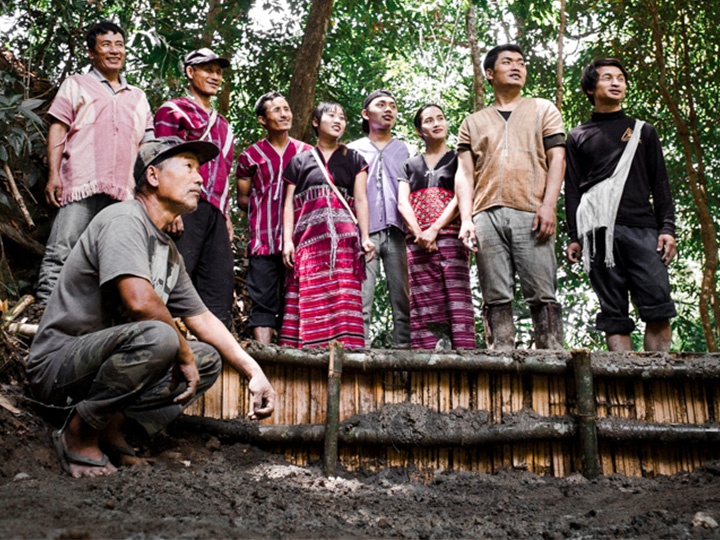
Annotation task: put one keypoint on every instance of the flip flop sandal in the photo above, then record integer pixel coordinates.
(67, 458)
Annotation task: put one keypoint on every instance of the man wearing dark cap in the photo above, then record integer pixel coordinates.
(98, 122)
(204, 237)
(107, 347)
(385, 155)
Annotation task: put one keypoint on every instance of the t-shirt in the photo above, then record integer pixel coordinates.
(264, 166)
(431, 190)
(120, 241)
(593, 151)
(383, 169)
(189, 121)
(509, 155)
(342, 167)
(104, 134)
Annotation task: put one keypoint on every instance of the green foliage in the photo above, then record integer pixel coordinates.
(420, 50)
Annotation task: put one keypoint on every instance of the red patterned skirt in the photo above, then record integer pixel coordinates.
(324, 303)
(440, 298)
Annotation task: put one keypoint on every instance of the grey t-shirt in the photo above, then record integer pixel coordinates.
(120, 241)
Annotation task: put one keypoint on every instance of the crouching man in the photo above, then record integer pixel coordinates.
(107, 343)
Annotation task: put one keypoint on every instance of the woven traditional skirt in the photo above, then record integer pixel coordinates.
(324, 304)
(440, 299)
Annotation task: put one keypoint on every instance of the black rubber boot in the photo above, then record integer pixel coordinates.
(499, 327)
(548, 325)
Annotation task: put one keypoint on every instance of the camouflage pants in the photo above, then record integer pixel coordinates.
(129, 369)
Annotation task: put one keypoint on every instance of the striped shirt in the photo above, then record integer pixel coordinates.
(189, 121)
(264, 166)
(105, 129)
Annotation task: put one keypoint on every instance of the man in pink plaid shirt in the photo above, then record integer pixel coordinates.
(205, 235)
(260, 193)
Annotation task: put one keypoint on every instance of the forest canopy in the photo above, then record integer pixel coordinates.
(425, 51)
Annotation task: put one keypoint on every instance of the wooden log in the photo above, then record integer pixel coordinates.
(14, 312)
(28, 244)
(332, 420)
(586, 412)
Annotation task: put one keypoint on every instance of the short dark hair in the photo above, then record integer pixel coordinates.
(322, 108)
(103, 27)
(492, 55)
(260, 104)
(589, 79)
(417, 121)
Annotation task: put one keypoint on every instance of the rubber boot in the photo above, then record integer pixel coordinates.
(547, 322)
(499, 327)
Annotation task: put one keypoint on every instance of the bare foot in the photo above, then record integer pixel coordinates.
(113, 440)
(78, 450)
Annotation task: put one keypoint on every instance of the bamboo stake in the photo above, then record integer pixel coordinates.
(586, 413)
(18, 198)
(332, 420)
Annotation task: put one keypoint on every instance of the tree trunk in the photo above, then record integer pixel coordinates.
(307, 66)
(560, 60)
(688, 133)
(475, 53)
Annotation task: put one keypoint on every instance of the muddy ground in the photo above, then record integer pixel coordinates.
(199, 486)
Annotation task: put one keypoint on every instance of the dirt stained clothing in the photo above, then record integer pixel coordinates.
(205, 243)
(509, 153)
(645, 211)
(264, 166)
(387, 232)
(87, 351)
(105, 129)
(440, 280)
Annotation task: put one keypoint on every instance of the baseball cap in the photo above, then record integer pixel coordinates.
(368, 100)
(203, 56)
(158, 150)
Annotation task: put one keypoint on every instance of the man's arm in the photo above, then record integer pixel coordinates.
(144, 304)
(209, 329)
(55, 147)
(464, 180)
(243, 193)
(545, 218)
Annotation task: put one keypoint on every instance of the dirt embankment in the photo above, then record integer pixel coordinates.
(199, 486)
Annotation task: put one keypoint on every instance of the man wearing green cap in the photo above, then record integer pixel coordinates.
(107, 346)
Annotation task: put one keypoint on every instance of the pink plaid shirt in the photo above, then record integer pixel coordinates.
(186, 119)
(264, 166)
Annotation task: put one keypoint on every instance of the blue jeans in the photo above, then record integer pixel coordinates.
(390, 247)
(70, 222)
(506, 245)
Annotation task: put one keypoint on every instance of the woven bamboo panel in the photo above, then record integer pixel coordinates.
(302, 400)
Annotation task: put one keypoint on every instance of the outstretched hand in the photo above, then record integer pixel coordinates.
(262, 402)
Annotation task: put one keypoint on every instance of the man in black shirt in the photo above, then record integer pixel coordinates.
(641, 233)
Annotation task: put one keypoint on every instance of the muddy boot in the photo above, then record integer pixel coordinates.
(547, 322)
(499, 327)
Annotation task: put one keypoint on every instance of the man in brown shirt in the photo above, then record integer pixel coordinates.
(511, 168)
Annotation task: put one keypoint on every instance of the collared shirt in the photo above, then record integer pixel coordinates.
(189, 121)
(123, 86)
(383, 171)
(264, 165)
(105, 130)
